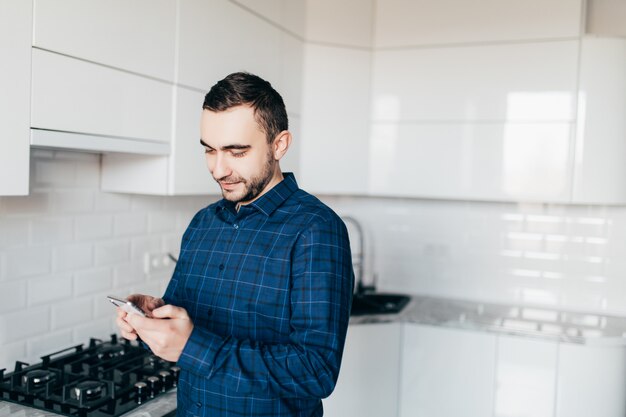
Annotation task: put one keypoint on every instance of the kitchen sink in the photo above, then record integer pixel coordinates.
(376, 303)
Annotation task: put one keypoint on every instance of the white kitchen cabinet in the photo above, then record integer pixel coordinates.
(368, 380)
(591, 381)
(525, 383)
(436, 22)
(183, 172)
(525, 82)
(15, 41)
(484, 161)
(288, 14)
(81, 99)
(334, 152)
(137, 36)
(263, 48)
(446, 372)
(600, 169)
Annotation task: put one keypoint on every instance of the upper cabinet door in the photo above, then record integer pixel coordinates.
(15, 41)
(71, 95)
(600, 169)
(137, 36)
(220, 37)
(523, 82)
(334, 120)
(213, 43)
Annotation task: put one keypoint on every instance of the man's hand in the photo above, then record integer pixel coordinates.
(145, 302)
(166, 338)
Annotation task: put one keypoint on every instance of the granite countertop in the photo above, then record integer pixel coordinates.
(535, 322)
(161, 405)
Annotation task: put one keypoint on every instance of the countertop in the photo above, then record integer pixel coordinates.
(161, 405)
(536, 322)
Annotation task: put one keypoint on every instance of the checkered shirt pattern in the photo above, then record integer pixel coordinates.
(269, 290)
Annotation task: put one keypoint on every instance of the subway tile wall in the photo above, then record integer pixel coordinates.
(565, 256)
(67, 245)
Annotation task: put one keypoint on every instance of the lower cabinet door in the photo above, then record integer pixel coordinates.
(591, 381)
(446, 372)
(368, 380)
(525, 377)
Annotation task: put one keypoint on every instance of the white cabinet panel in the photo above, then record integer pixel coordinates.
(601, 138)
(427, 22)
(520, 82)
(184, 172)
(15, 41)
(525, 377)
(488, 161)
(136, 35)
(289, 83)
(189, 173)
(447, 372)
(327, 22)
(288, 14)
(368, 380)
(76, 96)
(212, 44)
(334, 120)
(592, 381)
(263, 48)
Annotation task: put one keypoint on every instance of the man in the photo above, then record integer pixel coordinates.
(259, 302)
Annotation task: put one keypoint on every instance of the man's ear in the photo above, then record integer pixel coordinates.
(281, 144)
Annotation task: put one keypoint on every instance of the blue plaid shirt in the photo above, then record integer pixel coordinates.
(269, 290)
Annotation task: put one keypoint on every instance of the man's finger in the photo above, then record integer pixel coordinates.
(170, 311)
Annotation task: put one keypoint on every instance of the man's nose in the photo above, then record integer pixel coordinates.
(220, 167)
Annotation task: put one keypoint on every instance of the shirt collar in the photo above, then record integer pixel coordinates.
(272, 199)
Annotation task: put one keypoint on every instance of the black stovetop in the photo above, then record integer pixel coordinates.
(104, 378)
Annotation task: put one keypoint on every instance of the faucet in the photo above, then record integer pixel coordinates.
(359, 263)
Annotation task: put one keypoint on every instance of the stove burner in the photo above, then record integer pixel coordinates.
(110, 351)
(89, 390)
(105, 379)
(38, 378)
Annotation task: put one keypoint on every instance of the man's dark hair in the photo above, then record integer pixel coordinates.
(244, 88)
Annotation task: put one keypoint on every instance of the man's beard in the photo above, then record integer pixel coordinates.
(255, 185)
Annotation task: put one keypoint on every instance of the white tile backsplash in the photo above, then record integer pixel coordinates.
(567, 256)
(44, 290)
(68, 245)
(54, 277)
(12, 296)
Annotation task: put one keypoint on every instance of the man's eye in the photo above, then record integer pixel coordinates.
(238, 154)
(208, 150)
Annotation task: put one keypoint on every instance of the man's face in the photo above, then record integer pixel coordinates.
(237, 153)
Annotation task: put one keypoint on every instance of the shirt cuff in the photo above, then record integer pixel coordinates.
(198, 354)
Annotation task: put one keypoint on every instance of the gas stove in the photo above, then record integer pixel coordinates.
(105, 378)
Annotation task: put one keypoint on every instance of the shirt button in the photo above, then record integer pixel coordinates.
(209, 312)
(221, 267)
(236, 226)
(199, 404)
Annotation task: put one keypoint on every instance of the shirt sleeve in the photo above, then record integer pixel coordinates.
(308, 365)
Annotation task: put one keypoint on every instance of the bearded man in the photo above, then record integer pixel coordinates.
(257, 309)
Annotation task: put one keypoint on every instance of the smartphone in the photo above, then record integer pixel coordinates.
(126, 305)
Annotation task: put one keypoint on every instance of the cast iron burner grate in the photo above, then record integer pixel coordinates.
(106, 378)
